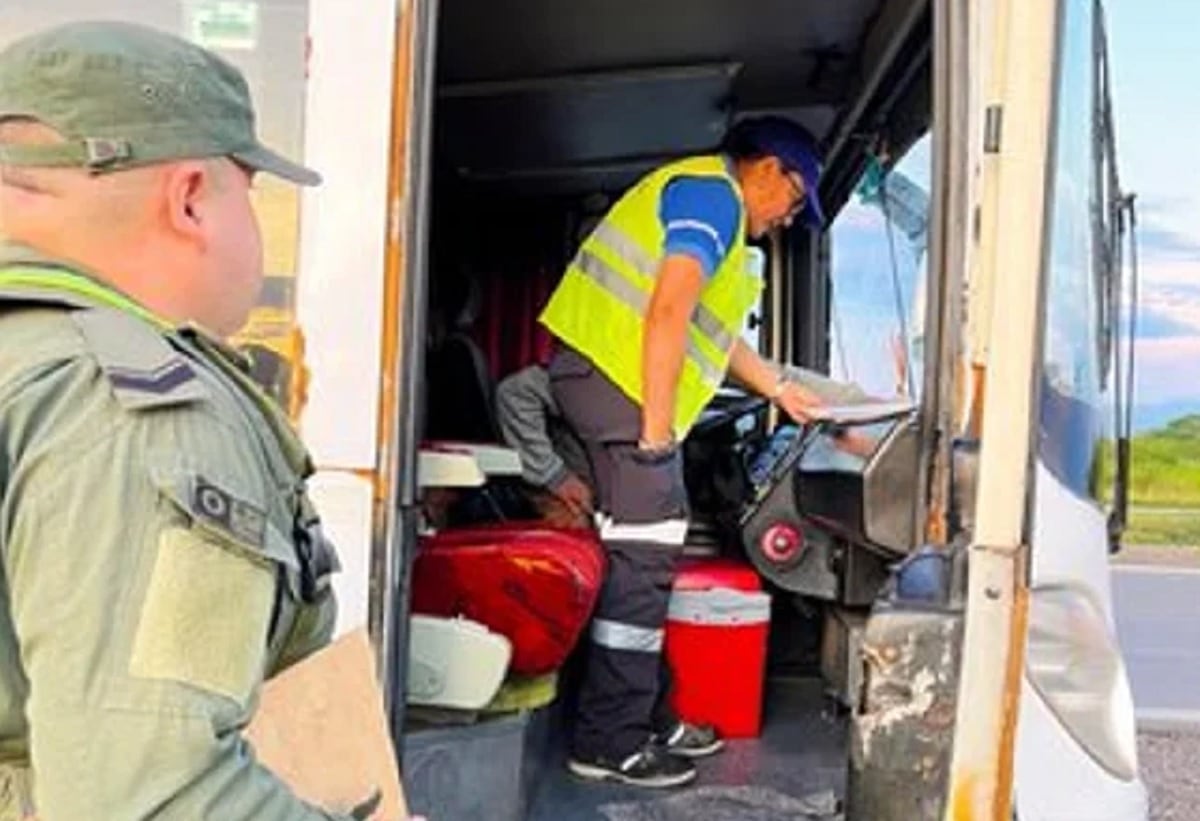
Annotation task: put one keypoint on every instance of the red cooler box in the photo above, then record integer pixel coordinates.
(716, 645)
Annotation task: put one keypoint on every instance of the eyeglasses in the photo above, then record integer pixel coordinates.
(799, 192)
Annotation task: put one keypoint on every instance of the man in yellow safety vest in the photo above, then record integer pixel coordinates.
(649, 318)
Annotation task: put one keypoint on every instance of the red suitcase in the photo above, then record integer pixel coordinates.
(533, 584)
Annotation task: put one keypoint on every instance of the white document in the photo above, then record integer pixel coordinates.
(861, 413)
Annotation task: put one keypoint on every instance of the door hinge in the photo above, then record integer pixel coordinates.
(993, 124)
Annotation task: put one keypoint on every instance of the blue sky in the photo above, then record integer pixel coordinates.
(1156, 76)
(1156, 79)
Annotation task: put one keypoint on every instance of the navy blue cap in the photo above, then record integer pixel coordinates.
(795, 148)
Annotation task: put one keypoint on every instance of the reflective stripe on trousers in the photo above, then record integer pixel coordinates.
(618, 636)
(666, 532)
(622, 696)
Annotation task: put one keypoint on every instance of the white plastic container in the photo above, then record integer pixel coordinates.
(455, 663)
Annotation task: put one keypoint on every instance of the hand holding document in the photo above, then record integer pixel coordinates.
(321, 727)
(861, 413)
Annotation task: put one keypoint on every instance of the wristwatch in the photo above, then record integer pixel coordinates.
(781, 384)
(658, 448)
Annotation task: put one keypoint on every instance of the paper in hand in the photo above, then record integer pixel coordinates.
(861, 413)
(321, 727)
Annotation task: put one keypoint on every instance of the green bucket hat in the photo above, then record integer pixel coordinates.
(124, 96)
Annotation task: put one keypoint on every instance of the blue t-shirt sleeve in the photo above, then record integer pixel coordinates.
(700, 216)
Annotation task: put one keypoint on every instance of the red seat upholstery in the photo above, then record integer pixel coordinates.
(533, 584)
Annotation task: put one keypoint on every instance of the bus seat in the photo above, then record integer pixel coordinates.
(535, 585)
(460, 394)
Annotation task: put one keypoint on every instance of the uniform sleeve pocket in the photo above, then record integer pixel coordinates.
(205, 615)
(210, 601)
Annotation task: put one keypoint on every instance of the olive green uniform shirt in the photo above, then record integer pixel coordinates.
(159, 560)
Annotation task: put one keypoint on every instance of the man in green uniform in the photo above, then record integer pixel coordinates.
(160, 556)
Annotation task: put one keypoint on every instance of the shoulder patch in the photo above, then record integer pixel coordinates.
(218, 506)
(145, 371)
(236, 517)
(244, 521)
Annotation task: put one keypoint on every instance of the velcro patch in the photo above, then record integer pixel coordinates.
(189, 632)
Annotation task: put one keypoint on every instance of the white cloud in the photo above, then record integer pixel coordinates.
(1167, 369)
(1166, 271)
(1171, 212)
(1173, 293)
(1180, 309)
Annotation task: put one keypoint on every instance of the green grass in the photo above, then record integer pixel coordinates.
(1164, 484)
(1165, 470)
(1149, 527)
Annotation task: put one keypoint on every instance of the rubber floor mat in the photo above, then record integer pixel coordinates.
(729, 804)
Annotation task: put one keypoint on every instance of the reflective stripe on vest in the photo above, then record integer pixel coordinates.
(631, 252)
(48, 281)
(607, 277)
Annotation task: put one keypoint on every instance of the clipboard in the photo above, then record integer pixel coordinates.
(321, 727)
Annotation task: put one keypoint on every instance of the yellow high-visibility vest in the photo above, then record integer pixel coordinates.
(600, 305)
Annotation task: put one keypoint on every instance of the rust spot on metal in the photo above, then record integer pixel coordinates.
(941, 715)
(976, 796)
(1012, 691)
(901, 733)
(962, 798)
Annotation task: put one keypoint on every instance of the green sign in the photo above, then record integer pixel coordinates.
(223, 25)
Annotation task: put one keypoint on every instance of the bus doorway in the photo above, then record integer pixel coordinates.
(543, 115)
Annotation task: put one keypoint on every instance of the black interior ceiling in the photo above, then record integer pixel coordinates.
(546, 91)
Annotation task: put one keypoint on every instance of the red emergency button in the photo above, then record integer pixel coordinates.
(782, 543)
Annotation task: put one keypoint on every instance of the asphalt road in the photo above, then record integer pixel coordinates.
(1158, 625)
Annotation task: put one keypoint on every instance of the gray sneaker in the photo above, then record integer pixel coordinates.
(691, 740)
(651, 766)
